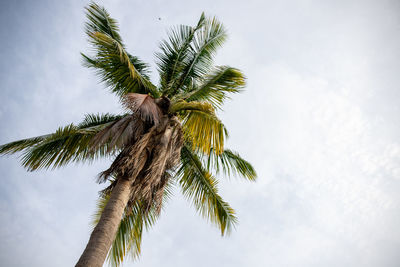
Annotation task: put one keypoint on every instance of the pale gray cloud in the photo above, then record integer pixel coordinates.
(319, 120)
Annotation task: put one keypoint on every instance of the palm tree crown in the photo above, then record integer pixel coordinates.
(169, 133)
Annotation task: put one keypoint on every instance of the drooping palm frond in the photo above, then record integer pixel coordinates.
(229, 162)
(204, 130)
(216, 86)
(129, 235)
(200, 187)
(122, 72)
(135, 220)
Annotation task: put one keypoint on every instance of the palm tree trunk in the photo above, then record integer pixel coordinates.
(104, 233)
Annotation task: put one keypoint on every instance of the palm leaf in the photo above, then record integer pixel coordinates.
(129, 234)
(230, 163)
(203, 47)
(217, 85)
(130, 231)
(68, 144)
(200, 187)
(122, 72)
(144, 106)
(100, 21)
(204, 130)
(20, 145)
(116, 67)
(97, 119)
(182, 105)
(174, 54)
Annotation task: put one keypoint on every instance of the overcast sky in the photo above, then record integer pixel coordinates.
(319, 120)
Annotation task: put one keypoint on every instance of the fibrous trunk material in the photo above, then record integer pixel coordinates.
(147, 162)
(141, 172)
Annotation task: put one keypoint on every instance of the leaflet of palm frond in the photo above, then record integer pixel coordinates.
(120, 133)
(144, 106)
(204, 130)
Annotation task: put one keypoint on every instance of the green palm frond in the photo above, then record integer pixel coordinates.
(129, 235)
(200, 187)
(100, 21)
(204, 130)
(230, 162)
(65, 145)
(187, 55)
(98, 119)
(121, 72)
(174, 54)
(203, 47)
(217, 85)
(90, 120)
(21, 145)
(68, 144)
(130, 232)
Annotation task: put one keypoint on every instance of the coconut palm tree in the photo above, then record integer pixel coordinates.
(168, 134)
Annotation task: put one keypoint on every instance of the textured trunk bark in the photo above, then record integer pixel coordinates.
(104, 233)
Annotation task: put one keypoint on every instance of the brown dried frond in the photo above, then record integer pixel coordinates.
(130, 161)
(146, 163)
(144, 106)
(119, 134)
(165, 155)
